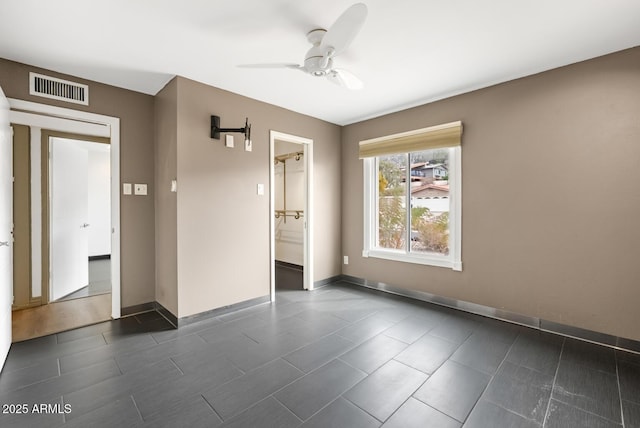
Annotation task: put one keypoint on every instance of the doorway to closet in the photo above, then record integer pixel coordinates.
(291, 213)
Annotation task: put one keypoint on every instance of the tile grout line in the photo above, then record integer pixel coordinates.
(116, 363)
(378, 368)
(352, 366)
(156, 340)
(553, 385)
(492, 376)
(64, 415)
(212, 409)
(588, 412)
(337, 357)
(248, 337)
(176, 366)
(513, 412)
(104, 338)
(304, 374)
(405, 401)
(136, 406)
(273, 395)
(599, 416)
(439, 411)
(615, 354)
(365, 411)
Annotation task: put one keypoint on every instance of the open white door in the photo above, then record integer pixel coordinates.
(69, 206)
(6, 222)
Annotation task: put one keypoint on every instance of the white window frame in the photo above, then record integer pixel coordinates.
(370, 248)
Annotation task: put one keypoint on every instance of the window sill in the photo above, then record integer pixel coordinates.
(398, 256)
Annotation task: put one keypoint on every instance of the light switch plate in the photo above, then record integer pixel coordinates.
(126, 188)
(140, 189)
(260, 189)
(228, 141)
(174, 186)
(248, 145)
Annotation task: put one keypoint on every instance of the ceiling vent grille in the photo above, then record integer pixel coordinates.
(58, 89)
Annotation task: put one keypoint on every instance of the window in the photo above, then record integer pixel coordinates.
(412, 196)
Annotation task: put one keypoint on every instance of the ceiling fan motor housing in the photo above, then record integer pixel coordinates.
(317, 60)
(318, 65)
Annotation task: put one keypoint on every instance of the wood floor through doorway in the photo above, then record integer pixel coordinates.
(60, 316)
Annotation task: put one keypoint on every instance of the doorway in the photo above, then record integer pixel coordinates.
(66, 125)
(79, 204)
(62, 224)
(291, 212)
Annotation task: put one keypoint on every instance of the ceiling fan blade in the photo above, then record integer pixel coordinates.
(345, 29)
(345, 78)
(274, 65)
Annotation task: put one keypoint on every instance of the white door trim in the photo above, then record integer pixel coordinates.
(308, 208)
(6, 231)
(79, 122)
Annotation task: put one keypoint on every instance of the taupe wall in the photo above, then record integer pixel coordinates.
(550, 167)
(166, 131)
(223, 225)
(21, 217)
(550, 198)
(135, 111)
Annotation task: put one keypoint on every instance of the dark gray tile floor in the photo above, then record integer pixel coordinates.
(340, 356)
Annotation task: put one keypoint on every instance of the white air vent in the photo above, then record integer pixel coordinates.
(58, 89)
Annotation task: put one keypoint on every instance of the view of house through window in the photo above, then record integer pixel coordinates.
(413, 196)
(422, 226)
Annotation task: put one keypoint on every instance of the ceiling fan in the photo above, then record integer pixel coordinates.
(327, 44)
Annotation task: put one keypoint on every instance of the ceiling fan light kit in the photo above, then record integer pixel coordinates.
(328, 44)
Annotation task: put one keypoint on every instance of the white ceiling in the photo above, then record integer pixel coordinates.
(409, 52)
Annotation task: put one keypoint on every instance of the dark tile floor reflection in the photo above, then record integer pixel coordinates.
(289, 276)
(99, 280)
(340, 356)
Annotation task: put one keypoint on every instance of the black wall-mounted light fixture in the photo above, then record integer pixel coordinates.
(216, 130)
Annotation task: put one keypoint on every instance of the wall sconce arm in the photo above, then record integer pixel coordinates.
(216, 130)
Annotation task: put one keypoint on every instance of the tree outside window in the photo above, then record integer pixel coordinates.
(424, 177)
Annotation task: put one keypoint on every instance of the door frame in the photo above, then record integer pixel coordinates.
(6, 291)
(61, 119)
(307, 144)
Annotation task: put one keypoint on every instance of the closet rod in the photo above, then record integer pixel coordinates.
(289, 213)
(281, 158)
